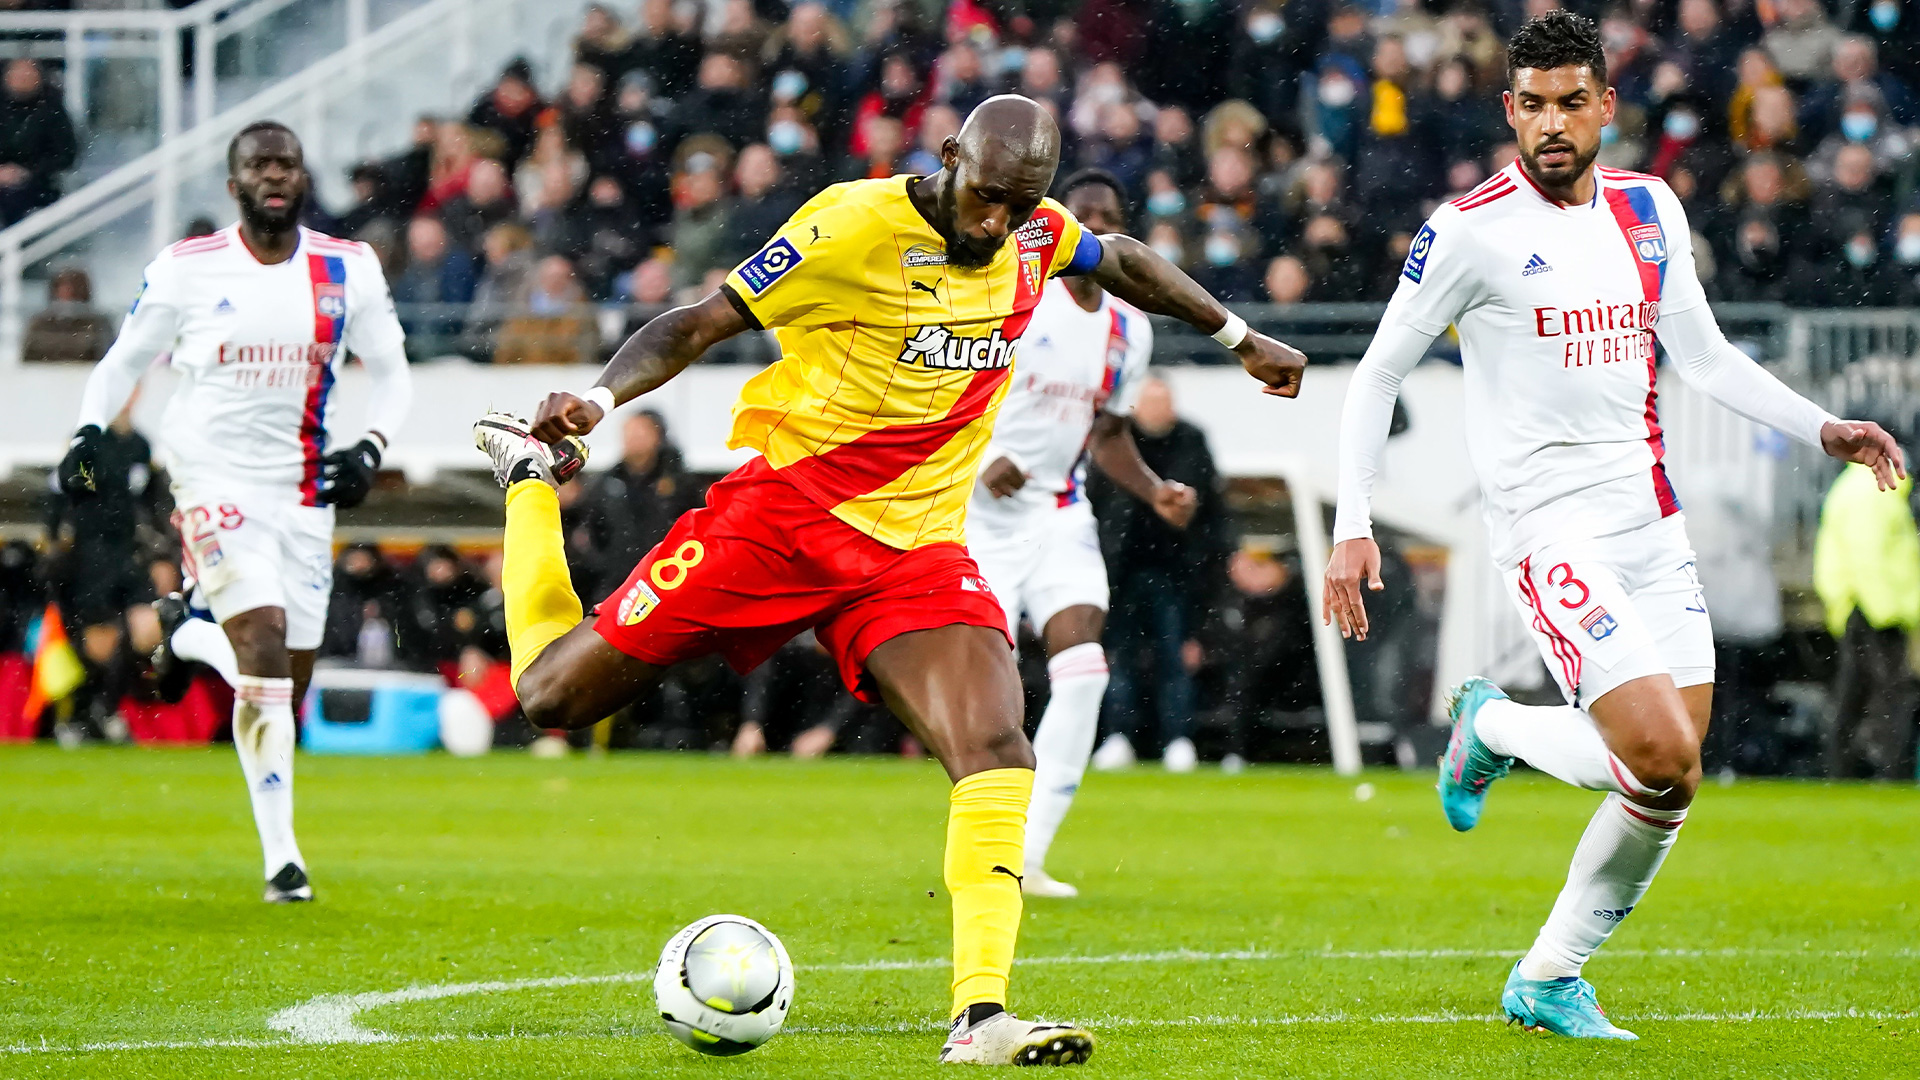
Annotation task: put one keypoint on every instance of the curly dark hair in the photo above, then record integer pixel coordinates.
(1558, 38)
(1099, 177)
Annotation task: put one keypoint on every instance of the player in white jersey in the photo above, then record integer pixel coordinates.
(259, 318)
(1029, 526)
(1560, 277)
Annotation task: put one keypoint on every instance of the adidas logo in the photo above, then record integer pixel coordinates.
(227, 305)
(1535, 265)
(273, 782)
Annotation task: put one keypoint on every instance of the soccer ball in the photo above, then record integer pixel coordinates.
(724, 985)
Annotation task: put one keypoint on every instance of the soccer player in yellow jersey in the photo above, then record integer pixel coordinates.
(898, 304)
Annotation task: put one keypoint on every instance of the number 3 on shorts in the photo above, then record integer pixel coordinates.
(683, 560)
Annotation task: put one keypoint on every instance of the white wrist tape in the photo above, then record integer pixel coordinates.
(601, 396)
(1233, 333)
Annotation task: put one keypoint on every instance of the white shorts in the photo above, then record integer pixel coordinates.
(1615, 608)
(1048, 563)
(248, 548)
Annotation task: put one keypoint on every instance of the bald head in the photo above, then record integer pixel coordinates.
(1011, 127)
(996, 171)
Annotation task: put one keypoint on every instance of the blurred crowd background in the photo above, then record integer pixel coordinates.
(1283, 151)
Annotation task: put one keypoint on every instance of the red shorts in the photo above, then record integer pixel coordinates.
(761, 562)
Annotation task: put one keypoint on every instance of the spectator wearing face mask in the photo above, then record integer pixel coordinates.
(1229, 262)
(1858, 89)
(1269, 54)
(639, 144)
(806, 59)
(1860, 278)
(1894, 29)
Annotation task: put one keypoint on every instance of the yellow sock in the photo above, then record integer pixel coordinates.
(534, 580)
(986, 835)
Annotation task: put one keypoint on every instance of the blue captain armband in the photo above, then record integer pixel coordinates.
(1086, 256)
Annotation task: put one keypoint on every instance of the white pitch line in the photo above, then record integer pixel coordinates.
(330, 1019)
(908, 1027)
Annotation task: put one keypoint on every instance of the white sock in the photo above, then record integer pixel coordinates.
(1559, 740)
(1618, 855)
(198, 639)
(1064, 741)
(263, 733)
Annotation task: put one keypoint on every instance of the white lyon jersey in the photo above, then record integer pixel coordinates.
(258, 348)
(1556, 308)
(1072, 365)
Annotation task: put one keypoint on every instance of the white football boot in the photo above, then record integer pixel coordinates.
(1005, 1039)
(1114, 754)
(1037, 882)
(517, 455)
(1180, 756)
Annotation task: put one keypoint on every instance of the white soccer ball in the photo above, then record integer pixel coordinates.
(724, 985)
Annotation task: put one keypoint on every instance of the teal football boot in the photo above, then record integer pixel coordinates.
(1565, 1006)
(1469, 766)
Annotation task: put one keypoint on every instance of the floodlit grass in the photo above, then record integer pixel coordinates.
(1261, 925)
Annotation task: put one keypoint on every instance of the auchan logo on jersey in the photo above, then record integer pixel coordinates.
(273, 352)
(939, 347)
(1596, 318)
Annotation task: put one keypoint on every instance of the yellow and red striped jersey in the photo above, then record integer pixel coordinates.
(892, 362)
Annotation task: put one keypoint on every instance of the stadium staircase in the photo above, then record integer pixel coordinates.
(350, 75)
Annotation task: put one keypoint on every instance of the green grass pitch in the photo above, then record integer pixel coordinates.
(1261, 925)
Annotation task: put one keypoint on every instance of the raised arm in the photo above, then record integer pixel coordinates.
(655, 353)
(1137, 274)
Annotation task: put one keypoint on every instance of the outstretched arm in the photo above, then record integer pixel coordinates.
(1137, 274)
(655, 353)
(1114, 452)
(1708, 361)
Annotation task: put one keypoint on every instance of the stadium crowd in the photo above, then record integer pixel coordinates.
(1281, 150)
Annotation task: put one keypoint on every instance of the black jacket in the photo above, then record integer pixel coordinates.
(1134, 538)
(35, 133)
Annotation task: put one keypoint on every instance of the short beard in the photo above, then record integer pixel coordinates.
(260, 219)
(1581, 163)
(962, 251)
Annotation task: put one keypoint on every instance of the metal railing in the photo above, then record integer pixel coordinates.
(437, 43)
(184, 93)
